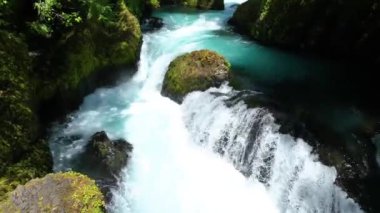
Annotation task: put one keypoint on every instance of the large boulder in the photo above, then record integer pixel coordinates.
(198, 70)
(200, 4)
(61, 192)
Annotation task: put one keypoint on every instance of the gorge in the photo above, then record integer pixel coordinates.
(250, 145)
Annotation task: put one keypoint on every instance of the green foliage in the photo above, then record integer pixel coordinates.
(4, 10)
(8, 13)
(60, 15)
(52, 15)
(154, 3)
(96, 45)
(75, 39)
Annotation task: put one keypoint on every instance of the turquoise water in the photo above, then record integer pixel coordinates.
(190, 158)
(300, 82)
(260, 63)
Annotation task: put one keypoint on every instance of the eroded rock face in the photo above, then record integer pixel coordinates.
(198, 70)
(60, 192)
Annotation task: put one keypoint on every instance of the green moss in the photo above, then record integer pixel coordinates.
(198, 70)
(70, 191)
(35, 163)
(88, 49)
(141, 8)
(22, 157)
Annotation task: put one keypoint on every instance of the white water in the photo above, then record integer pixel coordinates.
(187, 157)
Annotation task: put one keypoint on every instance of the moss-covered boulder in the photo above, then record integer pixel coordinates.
(200, 4)
(198, 70)
(333, 27)
(61, 192)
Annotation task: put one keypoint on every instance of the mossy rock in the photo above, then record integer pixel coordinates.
(88, 49)
(68, 192)
(35, 162)
(200, 4)
(198, 70)
(245, 15)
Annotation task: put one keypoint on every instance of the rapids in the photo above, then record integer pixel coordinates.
(204, 155)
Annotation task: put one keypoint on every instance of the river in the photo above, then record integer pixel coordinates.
(203, 155)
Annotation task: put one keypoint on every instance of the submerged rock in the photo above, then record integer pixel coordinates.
(61, 192)
(198, 70)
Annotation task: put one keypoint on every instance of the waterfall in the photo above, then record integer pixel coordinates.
(249, 139)
(209, 154)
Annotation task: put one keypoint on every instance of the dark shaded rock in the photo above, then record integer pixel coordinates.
(111, 155)
(152, 24)
(195, 71)
(103, 160)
